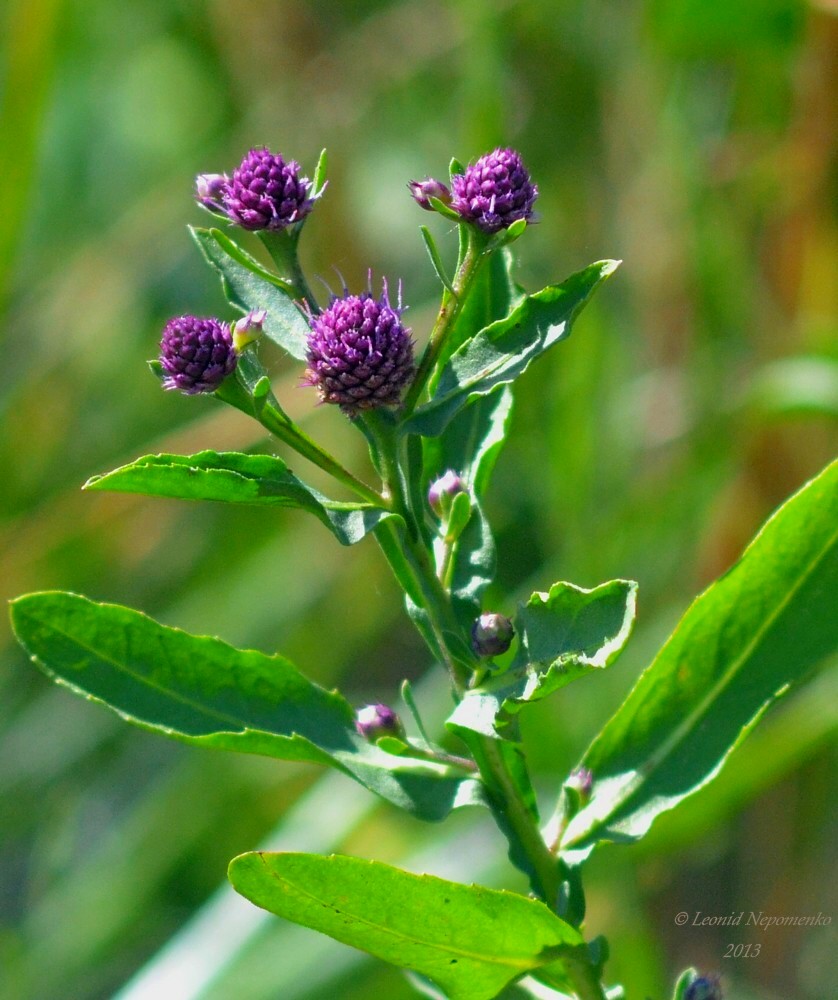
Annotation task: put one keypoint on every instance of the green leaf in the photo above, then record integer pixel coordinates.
(470, 940)
(563, 635)
(250, 286)
(233, 477)
(201, 690)
(503, 351)
(566, 633)
(685, 980)
(761, 627)
(470, 445)
(493, 295)
(436, 260)
(458, 517)
(444, 210)
(318, 180)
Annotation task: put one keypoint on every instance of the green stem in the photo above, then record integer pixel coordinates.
(450, 309)
(518, 820)
(249, 391)
(278, 424)
(446, 567)
(405, 552)
(444, 758)
(282, 246)
(439, 626)
(586, 983)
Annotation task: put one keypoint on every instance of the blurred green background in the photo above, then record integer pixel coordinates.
(694, 140)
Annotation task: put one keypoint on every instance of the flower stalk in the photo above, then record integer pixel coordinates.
(476, 252)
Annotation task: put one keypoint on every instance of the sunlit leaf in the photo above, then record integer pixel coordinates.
(470, 940)
(760, 628)
(249, 286)
(201, 690)
(502, 351)
(233, 477)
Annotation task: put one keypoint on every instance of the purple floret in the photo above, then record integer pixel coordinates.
(360, 356)
(196, 354)
(265, 192)
(494, 192)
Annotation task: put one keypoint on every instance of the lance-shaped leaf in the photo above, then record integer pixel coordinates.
(503, 350)
(470, 940)
(494, 293)
(234, 477)
(249, 286)
(760, 628)
(201, 690)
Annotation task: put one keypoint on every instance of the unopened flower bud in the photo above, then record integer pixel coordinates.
(422, 191)
(209, 189)
(705, 988)
(248, 328)
(375, 721)
(581, 781)
(443, 490)
(196, 354)
(491, 634)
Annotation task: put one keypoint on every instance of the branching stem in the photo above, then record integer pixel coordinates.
(452, 304)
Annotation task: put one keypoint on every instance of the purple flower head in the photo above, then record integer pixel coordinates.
(359, 354)
(209, 189)
(494, 192)
(375, 721)
(196, 354)
(491, 634)
(429, 188)
(265, 192)
(705, 988)
(443, 490)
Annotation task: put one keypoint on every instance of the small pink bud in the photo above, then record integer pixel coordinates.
(374, 721)
(443, 490)
(426, 189)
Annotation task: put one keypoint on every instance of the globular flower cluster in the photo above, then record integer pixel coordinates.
(196, 354)
(494, 192)
(265, 192)
(360, 356)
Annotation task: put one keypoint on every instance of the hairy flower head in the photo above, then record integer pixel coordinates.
(196, 354)
(494, 192)
(360, 356)
(265, 192)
